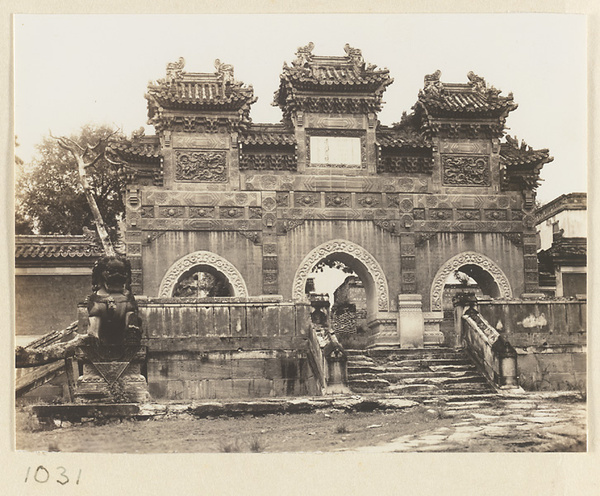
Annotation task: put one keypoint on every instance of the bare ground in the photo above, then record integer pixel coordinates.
(508, 425)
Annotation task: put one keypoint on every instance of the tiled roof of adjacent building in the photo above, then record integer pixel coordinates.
(56, 246)
(569, 201)
(474, 97)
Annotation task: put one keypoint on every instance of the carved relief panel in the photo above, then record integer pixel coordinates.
(201, 165)
(465, 170)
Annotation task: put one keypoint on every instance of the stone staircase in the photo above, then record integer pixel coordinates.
(420, 374)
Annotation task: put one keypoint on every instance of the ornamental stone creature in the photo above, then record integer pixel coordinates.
(111, 307)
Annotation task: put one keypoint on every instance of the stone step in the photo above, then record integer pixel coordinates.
(424, 389)
(390, 351)
(368, 384)
(361, 363)
(459, 402)
(409, 374)
(470, 379)
(424, 356)
(369, 369)
(429, 362)
(411, 377)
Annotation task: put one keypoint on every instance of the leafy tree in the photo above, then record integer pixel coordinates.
(332, 263)
(50, 198)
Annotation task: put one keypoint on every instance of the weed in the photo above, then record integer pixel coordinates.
(53, 446)
(342, 429)
(256, 444)
(27, 421)
(580, 387)
(230, 446)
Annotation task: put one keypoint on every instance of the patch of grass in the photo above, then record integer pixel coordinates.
(230, 446)
(53, 446)
(256, 444)
(342, 429)
(27, 421)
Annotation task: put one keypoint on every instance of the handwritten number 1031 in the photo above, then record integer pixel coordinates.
(42, 475)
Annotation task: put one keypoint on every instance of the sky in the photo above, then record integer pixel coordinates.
(72, 69)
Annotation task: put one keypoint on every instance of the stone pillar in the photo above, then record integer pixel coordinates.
(411, 325)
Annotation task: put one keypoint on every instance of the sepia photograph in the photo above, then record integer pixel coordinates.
(308, 233)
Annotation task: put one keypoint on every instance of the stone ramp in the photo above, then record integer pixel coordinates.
(30, 378)
(419, 374)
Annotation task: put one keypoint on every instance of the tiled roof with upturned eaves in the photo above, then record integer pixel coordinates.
(472, 98)
(145, 149)
(312, 76)
(56, 246)
(199, 91)
(402, 137)
(512, 154)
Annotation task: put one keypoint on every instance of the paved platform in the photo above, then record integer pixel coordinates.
(533, 422)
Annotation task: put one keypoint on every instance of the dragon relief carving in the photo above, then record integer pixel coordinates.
(466, 170)
(200, 166)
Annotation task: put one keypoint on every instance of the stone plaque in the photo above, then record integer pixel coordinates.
(466, 170)
(335, 151)
(200, 166)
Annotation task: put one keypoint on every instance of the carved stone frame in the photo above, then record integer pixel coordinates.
(456, 262)
(371, 270)
(194, 259)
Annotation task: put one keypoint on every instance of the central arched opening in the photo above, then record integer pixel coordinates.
(350, 280)
(338, 293)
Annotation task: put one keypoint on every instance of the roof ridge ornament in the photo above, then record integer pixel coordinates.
(303, 55)
(175, 69)
(514, 142)
(432, 79)
(225, 71)
(479, 84)
(355, 56)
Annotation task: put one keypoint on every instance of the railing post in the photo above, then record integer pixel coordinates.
(507, 356)
(461, 301)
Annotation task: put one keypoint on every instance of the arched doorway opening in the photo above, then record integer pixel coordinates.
(482, 270)
(202, 281)
(202, 274)
(468, 271)
(356, 267)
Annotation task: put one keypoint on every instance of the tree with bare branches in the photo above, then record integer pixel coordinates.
(53, 192)
(86, 157)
